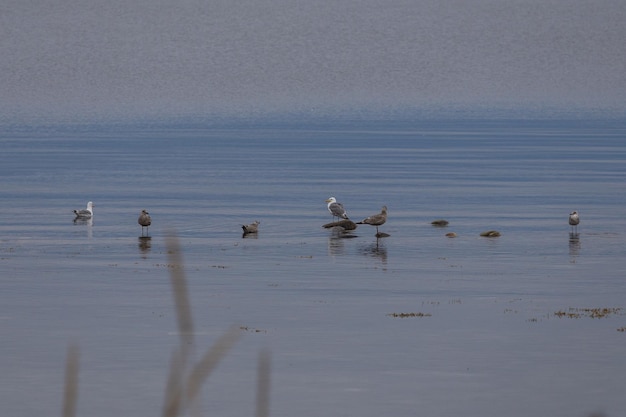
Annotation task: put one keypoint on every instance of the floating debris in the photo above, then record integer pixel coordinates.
(451, 235)
(439, 222)
(594, 313)
(252, 329)
(405, 315)
(490, 233)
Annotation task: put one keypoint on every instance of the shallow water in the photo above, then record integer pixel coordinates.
(490, 343)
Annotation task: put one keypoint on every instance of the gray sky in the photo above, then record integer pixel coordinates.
(145, 58)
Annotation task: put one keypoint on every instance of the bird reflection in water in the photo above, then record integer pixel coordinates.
(574, 245)
(145, 244)
(85, 221)
(336, 241)
(376, 250)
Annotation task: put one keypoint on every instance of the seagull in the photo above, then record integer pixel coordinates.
(85, 213)
(251, 228)
(144, 220)
(574, 220)
(336, 209)
(376, 220)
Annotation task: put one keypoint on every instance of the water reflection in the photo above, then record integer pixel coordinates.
(245, 235)
(145, 244)
(574, 244)
(336, 241)
(376, 250)
(88, 222)
(83, 221)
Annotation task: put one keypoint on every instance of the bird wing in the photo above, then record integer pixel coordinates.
(337, 209)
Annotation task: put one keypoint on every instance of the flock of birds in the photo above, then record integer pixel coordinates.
(335, 208)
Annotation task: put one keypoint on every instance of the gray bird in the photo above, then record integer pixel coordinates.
(144, 220)
(376, 219)
(336, 209)
(251, 228)
(85, 213)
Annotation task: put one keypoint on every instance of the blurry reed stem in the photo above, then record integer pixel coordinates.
(174, 394)
(70, 397)
(174, 388)
(182, 386)
(209, 361)
(263, 384)
(179, 290)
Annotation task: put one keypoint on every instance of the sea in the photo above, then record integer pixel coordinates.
(416, 323)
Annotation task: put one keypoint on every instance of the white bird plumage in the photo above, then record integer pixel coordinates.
(336, 209)
(574, 219)
(86, 212)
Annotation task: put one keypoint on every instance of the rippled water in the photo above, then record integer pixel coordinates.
(502, 325)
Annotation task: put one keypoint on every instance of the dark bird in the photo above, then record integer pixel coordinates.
(251, 228)
(574, 220)
(144, 220)
(336, 209)
(85, 213)
(376, 220)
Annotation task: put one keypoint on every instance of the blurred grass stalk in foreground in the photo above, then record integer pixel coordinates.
(184, 381)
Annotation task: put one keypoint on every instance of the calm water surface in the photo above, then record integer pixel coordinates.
(489, 344)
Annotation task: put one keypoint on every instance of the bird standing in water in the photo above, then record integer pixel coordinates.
(574, 220)
(376, 220)
(145, 221)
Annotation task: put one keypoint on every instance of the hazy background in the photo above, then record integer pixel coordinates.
(112, 59)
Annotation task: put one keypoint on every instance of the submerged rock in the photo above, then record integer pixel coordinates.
(346, 224)
(490, 233)
(439, 222)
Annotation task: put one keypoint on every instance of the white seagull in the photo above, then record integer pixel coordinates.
(85, 213)
(574, 220)
(336, 209)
